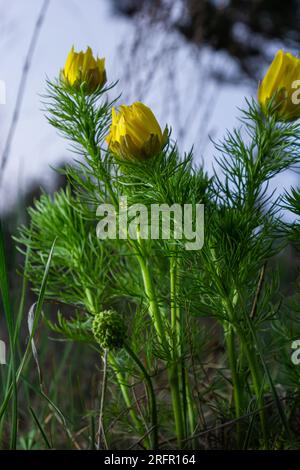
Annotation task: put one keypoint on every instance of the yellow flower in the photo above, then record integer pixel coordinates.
(135, 133)
(82, 68)
(281, 82)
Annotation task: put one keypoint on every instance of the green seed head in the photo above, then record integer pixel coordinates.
(109, 329)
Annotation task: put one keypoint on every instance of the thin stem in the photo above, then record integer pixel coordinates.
(176, 402)
(229, 335)
(190, 409)
(151, 396)
(125, 394)
(103, 390)
(255, 374)
(174, 373)
(94, 152)
(257, 381)
(150, 293)
(237, 391)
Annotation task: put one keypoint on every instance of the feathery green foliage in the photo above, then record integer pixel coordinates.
(209, 331)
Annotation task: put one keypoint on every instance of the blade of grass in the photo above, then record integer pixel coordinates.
(61, 418)
(27, 352)
(4, 287)
(23, 297)
(41, 429)
(93, 433)
(17, 327)
(57, 412)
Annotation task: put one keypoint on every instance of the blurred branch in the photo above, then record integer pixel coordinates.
(241, 28)
(22, 86)
(177, 72)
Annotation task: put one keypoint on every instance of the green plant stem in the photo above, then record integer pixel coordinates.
(150, 293)
(232, 360)
(229, 335)
(190, 409)
(126, 396)
(175, 310)
(255, 374)
(158, 324)
(175, 374)
(151, 396)
(94, 152)
(257, 382)
(176, 402)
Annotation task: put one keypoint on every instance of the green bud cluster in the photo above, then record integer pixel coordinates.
(109, 329)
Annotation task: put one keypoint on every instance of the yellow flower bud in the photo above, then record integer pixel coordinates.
(281, 82)
(82, 68)
(135, 133)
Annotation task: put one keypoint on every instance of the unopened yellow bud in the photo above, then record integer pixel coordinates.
(83, 69)
(281, 82)
(135, 133)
